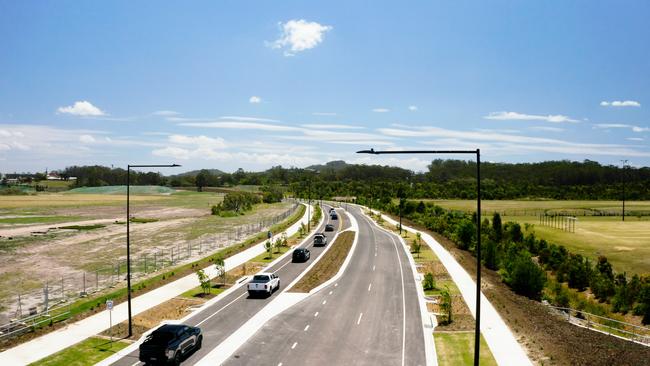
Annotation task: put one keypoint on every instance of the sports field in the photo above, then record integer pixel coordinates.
(625, 244)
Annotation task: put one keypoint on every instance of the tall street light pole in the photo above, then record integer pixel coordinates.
(624, 161)
(477, 152)
(128, 238)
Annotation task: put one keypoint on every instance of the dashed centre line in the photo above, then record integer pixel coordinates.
(306, 328)
(331, 292)
(359, 320)
(373, 268)
(324, 302)
(369, 287)
(294, 345)
(316, 314)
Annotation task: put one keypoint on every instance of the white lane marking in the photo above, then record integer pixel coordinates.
(375, 254)
(306, 328)
(359, 320)
(280, 364)
(294, 345)
(137, 363)
(373, 268)
(331, 292)
(324, 302)
(401, 272)
(218, 311)
(316, 314)
(282, 266)
(336, 284)
(369, 286)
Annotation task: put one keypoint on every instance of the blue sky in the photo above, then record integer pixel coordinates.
(254, 84)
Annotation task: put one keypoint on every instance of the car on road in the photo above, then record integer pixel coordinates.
(320, 239)
(300, 255)
(329, 227)
(333, 215)
(264, 283)
(169, 344)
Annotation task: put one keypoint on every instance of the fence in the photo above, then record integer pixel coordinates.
(32, 308)
(565, 223)
(616, 328)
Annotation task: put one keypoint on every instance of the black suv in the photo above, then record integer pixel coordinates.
(169, 344)
(300, 255)
(320, 239)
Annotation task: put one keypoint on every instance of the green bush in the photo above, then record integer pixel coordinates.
(429, 282)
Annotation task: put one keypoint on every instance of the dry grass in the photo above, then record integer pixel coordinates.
(328, 265)
(44, 200)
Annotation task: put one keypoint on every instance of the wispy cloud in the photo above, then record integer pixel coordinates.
(331, 126)
(254, 100)
(413, 108)
(299, 35)
(381, 110)
(82, 108)
(165, 113)
(635, 139)
(621, 125)
(324, 114)
(241, 125)
(515, 116)
(86, 139)
(248, 119)
(620, 103)
(547, 128)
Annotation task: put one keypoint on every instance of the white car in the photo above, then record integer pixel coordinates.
(264, 283)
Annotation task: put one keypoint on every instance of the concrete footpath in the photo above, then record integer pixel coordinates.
(58, 340)
(503, 344)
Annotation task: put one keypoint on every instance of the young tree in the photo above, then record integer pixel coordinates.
(202, 180)
(415, 247)
(429, 282)
(446, 305)
(220, 266)
(269, 247)
(204, 280)
(496, 227)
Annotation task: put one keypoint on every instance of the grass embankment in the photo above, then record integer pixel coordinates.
(87, 352)
(458, 349)
(328, 265)
(86, 307)
(38, 220)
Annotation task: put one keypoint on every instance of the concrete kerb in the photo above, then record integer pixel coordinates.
(241, 282)
(429, 323)
(503, 344)
(74, 333)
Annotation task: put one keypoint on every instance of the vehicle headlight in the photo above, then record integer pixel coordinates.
(169, 353)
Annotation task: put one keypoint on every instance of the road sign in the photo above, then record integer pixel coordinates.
(109, 304)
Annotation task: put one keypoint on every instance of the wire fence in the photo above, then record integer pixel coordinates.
(28, 309)
(631, 332)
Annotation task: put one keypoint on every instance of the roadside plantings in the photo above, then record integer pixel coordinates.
(87, 352)
(429, 282)
(82, 227)
(446, 305)
(328, 265)
(532, 266)
(236, 203)
(204, 280)
(416, 244)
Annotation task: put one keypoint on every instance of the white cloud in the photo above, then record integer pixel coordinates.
(254, 100)
(635, 139)
(621, 125)
(514, 116)
(241, 126)
(413, 108)
(547, 128)
(324, 114)
(86, 139)
(248, 119)
(299, 35)
(173, 152)
(381, 110)
(323, 126)
(619, 103)
(216, 143)
(166, 113)
(82, 108)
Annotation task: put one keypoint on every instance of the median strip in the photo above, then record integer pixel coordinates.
(328, 265)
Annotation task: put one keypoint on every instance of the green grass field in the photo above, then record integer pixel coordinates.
(458, 349)
(625, 244)
(88, 352)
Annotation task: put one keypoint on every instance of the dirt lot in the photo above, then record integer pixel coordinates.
(548, 339)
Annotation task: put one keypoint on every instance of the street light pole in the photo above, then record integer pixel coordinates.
(477, 152)
(128, 238)
(624, 177)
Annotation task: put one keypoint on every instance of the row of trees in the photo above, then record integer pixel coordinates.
(235, 203)
(524, 261)
(444, 179)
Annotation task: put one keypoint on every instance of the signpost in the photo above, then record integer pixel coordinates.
(109, 306)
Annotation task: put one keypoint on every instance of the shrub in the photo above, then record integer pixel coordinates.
(525, 277)
(429, 282)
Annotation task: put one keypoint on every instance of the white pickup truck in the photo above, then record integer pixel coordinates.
(264, 283)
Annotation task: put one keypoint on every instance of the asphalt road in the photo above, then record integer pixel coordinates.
(224, 317)
(370, 316)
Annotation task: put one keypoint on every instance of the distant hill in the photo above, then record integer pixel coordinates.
(195, 172)
(335, 165)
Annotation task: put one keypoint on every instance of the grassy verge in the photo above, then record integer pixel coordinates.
(328, 265)
(197, 292)
(83, 227)
(39, 220)
(458, 349)
(87, 352)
